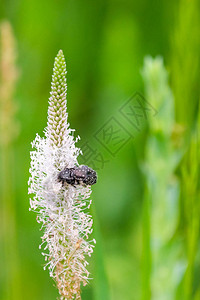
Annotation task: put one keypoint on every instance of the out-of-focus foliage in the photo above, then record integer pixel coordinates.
(162, 156)
(105, 43)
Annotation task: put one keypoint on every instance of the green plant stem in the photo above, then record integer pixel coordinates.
(146, 251)
(9, 247)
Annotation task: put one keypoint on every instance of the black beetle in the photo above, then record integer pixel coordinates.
(82, 175)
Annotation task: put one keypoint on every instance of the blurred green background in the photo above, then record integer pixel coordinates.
(150, 185)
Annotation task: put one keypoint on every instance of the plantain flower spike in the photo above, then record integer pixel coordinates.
(61, 210)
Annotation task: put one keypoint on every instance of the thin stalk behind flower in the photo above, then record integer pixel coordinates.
(9, 257)
(190, 214)
(62, 210)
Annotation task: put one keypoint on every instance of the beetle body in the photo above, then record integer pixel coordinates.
(82, 175)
